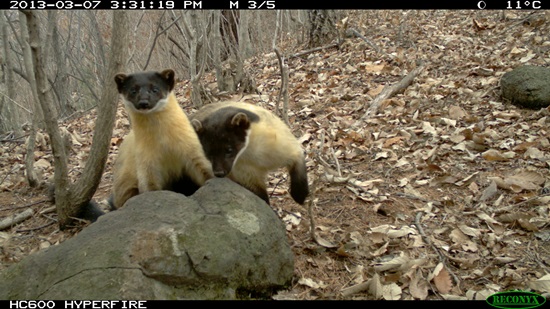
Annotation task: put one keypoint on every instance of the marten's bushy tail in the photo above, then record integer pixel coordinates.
(299, 188)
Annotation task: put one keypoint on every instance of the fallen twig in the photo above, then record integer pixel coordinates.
(388, 92)
(48, 210)
(310, 210)
(358, 288)
(14, 219)
(309, 51)
(356, 33)
(414, 197)
(36, 228)
(515, 206)
(318, 240)
(28, 205)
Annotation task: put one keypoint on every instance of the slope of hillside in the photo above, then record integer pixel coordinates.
(443, 193)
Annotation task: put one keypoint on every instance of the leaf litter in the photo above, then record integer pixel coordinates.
(443, 193)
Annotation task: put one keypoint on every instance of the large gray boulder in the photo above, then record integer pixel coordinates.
(221, 243)
(527, 86)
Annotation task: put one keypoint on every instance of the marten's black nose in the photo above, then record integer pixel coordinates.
(143, 105)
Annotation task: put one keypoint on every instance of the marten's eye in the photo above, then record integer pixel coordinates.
(155, 90)
(133, 91)
(228, 151)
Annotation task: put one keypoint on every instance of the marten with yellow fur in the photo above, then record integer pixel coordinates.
(244, 142)
(162, 150)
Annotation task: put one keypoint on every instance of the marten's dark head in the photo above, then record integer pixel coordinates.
(224, 136)
(145, 92)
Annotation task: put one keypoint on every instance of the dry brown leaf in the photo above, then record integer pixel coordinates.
(43, 164)
(378, 238)
(373, 68)
(466, 179)
(311, 283)
(512, 217)
(375, 287)
(489, 192)
(391, 141)
(530, 176)
(470, 246)
(466, 263)
(456, 112)
(446, 179)
(541, 285)
(442, 281)
(504, 260)
(428, 129)
(418, 286)
(507, 115)
(394, 263)
(458, 237)
(381, 154)
(391, 292)
(470, 231)
(77, 139)
(411, 264)
(374, 92)
(493, 155)
(323, 242)
(474, 188)
(524, 181)
(524, 146)
(525, 224)
(380, 250)
(453, 297)
(403, 231)
(485, 217)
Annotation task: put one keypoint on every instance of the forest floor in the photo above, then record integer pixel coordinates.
(441, 194)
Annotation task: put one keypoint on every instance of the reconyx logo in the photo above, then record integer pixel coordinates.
(515, 299)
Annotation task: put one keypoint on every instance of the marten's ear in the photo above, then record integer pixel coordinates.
(120, 78)
(169, 76)
(197, 125)
(240, 120)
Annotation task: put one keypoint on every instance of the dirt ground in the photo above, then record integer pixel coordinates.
(442, 193)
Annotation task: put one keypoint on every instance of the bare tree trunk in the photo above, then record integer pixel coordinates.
(277, 30)
(194, 29)
(32, 179)
(216, 50)
(98, 39)
(283, 94)
(84, 189)
(322, 27)
(243, 47)
(228, 32)
(44, 99)
(8, 110)
(71, 199)
(61, 82)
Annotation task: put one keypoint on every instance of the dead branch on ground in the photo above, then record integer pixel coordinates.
(14, 219)
(353, 32)
(388, 92)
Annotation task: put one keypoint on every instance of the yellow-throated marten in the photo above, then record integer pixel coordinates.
(162, 150)
(244, 142)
